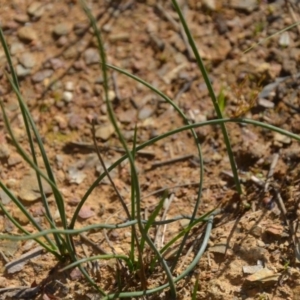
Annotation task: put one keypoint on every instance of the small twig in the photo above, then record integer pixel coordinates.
(158, 232)
(190, 52)
(170, 188)
(116, 87)
(4, 257)
(94, 245)
(25, 257)
(185, 88)
(87, 255)
(165, 13)
(291, 11)
(103, 148)
(271, 171)
(170, 161)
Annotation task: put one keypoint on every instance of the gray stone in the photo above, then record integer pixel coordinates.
(91, 56)
(145, 112)
(4, 151)
(21, 71)
(41, 75)
(16, 48)
(62, 29)
(246, 5)
(4, 197)
(27, 60)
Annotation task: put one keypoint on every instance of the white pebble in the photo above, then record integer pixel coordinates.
(69, 86)
(67, 96)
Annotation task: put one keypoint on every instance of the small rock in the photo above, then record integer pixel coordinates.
(62, 41)
(127, 116)
(91, 56)
(36, 9)
(75, 121)
(56, 63)
(67, 96)
(265, 103)
(282, 138)
(86, 212)
(29, 187)
(75, 176)
(104, 132)
(75, 274)
(27, 34)
(210, 4)
(16, 48)
(4, 151)
(21, 71)
(14, 159)
(41, 75)
(61, 121)
(4, 197)
(21, 18)
(245, 5)
(274, 230)
(62, 28)
(263, 275)
(27, 60)
(284, 39)
(252, 269)
(145, 112)
(69, 86)
(111, 95)
(19, 216)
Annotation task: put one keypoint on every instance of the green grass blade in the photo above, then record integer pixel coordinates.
(211, 93)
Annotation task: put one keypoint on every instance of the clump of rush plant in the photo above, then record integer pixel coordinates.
(145, 259)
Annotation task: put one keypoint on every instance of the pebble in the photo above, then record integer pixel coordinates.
(21, 71)
(27, 34)
(67, 96)
(21, 18)
(145, 112)
(19, 216)
(210, 4)
(4, 198)
(75, 121)
(16, 48)
(27, 60)
(41, 75)
(36, 9)
(284, 39)
(86, 212)
(104, 131)
(69, 86)
(75, 176)
(29, 187)
(282, 138)
(62, 28)
(246, 5)
(127, 116)
(56, 63)
(61, 121)
(14, 159)
(91, 56)
(75, 274)
(62, 41)
(4, 151)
